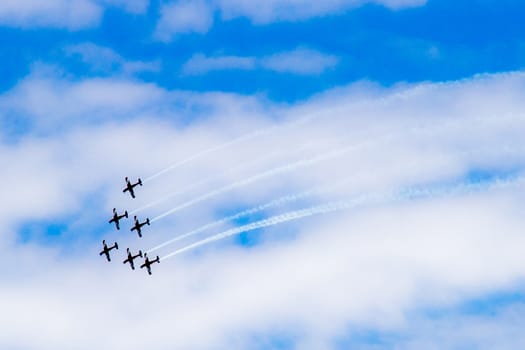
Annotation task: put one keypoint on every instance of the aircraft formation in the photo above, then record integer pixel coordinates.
(116, 218)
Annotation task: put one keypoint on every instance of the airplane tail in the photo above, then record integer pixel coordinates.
(116, 245)
(140, 181)
(140, 253)
(126, 214)
(147, 221)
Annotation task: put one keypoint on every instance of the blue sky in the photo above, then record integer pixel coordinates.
(443, 40)
(401, 95)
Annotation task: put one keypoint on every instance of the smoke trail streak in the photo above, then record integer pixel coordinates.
(227, 144)
(229, 171)
(267, 130)
(298, 196)
(348, 204)
(391, 136)
(387, 138)
(375, 99)
(260, 176)
(414, 130)
(274, 203)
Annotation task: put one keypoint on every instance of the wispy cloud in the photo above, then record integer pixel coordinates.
(261, 11)
(106, 60)
(201, 64)
(298, 61)
(71, 14)
(55, 13)
(184, 16)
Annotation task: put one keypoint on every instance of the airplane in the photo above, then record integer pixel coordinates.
(116, 218)
(138, 225)
(107, 249)
(130, 186)
(148, 263)
(131, 258)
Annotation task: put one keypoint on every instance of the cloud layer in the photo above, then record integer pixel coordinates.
(310, 282)
(71, 14)
(197, 16)
(299, 61)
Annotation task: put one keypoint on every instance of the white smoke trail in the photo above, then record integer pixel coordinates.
(414, 130)
(234, 169)
(310, 192)
(274, 203)
(407, 93)
(343, 205)
(418, 130)
(239, 139)
(260, 132)
(260, 176)
(208, 151)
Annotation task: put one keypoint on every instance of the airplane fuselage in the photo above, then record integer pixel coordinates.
(116, 218)
(147, 264)
(107, 249)
(138, 226)
(129, 187)
(131, 258)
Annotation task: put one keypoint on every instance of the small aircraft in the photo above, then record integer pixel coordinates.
(130, 186)
(147, 264)
(138, 225)
(116, 218)
(131, 258)
(107, 249)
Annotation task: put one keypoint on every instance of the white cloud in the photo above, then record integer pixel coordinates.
(372, 267)
(200, 64)
(500, 328)
(71, 14)
(55, 13)
(267, 11)
(183, 17)
(106, 60)
(197, 17)
(52, 104)
(298, 61)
